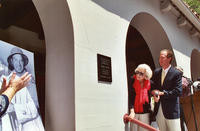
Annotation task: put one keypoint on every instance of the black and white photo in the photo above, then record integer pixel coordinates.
(23, 111)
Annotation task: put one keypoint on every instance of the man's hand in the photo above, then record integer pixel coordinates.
(156, 95)
(156, 98)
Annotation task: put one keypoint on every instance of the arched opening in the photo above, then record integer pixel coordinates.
(145, 38)
(137, 52)
(59, 74)
(54, 53)
(195, 64)
(20, 25)
(153, 33)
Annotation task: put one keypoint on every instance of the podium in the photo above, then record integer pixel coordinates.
(188, 112)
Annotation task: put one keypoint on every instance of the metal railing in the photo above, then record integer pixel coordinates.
(144, 125)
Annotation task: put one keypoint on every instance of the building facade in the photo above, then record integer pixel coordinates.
(130, 32)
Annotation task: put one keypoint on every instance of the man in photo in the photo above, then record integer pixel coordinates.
(22, 113)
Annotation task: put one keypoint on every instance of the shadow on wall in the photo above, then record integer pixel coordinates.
(126, 9)
(122, 8)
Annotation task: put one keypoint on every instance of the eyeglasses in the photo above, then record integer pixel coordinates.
(139, 73)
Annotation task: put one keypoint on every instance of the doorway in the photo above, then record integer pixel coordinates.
(145, 38)
(137, 52)
(20, 25)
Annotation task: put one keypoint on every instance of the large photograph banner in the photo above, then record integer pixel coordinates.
(23, 111)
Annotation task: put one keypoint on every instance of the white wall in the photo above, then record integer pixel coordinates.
(99, 106)
(100, 26)
(181, 41)
(58, 30)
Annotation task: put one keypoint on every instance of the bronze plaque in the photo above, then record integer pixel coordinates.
(104, 68)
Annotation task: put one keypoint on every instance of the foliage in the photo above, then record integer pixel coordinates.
(194, 5)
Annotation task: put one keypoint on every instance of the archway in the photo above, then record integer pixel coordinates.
(195, 64)
(153, 33)
(137, 52)
(145, 38)
(59, 75)
(20, 25)
(60, 95)
(59, 57)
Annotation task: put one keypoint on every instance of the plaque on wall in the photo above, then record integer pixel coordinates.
(104, 68)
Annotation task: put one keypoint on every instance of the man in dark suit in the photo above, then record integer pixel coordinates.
(166, 89)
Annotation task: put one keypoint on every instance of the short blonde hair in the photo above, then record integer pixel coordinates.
(148, 71)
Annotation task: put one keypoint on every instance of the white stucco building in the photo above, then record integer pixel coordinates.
(128, 31)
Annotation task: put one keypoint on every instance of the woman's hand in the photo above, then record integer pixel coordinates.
(18, 83)
(132, 114)
(3, 86)
(15, 85)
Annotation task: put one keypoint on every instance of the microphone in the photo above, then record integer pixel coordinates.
(195, 86)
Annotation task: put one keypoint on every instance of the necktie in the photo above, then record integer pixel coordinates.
(162, 77)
